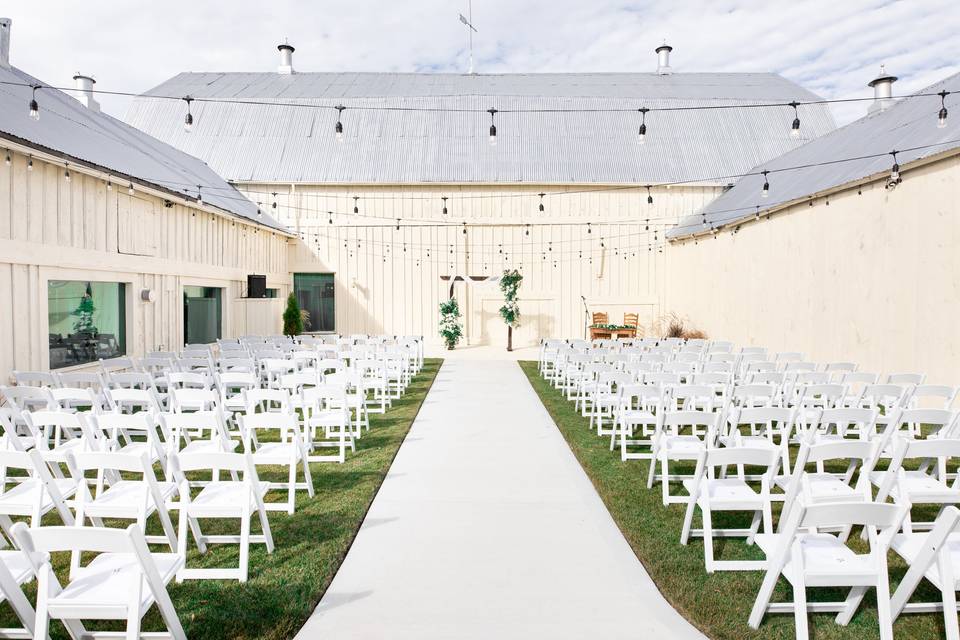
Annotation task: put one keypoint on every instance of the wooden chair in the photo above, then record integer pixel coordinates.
(600, 317)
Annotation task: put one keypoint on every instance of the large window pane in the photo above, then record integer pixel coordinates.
(86, 320)
(202, 314)
(314, 293)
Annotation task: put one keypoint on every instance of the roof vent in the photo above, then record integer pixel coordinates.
(286, 58)
(882, 91)
(84, 93)
(5, 42)
(663, 59)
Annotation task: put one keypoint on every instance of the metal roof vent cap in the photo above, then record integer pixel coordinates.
(663, 59)
(84, 93)
(286, 58)
(5, 42)
(882, 91)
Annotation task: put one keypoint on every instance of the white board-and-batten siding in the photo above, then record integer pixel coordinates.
(389, 280)
(78, 229)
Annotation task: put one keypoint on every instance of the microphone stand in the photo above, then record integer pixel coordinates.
(586, 316)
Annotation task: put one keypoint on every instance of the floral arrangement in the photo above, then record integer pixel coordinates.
(450, 328)
(612, 327)
(509, 285)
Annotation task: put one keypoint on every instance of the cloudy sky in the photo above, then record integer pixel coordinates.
(833, 47)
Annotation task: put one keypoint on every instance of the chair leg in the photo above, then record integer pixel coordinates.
(947, 579)
(800, 609)
(851, 604)
(688, 520)
(291, 487)
(707, 539)
(244, 544)
(665, 489)
(884, 619)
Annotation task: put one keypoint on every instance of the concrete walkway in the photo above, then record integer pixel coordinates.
(487, 527)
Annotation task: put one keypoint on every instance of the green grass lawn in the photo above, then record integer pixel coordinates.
(285, 587)
(717, 604)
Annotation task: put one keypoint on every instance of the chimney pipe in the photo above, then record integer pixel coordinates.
(663, 59)
(286, 58)
(882, 91)
(84, 92)
(5, 42)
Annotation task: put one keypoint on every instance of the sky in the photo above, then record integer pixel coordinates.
(832, 47)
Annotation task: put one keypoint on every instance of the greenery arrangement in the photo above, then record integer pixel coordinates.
(612, 327)
(84, 313)
(292, 317)
(450, 328)
(510, 283)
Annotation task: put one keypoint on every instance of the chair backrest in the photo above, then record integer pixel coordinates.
(782, 418)
(882, 395)
(82, 379)
(631, 319)
(124, 400)
(121, 426)
(215, 461)
(788, 356)
(933, 396)
(840, 367)
(36, 378)
(600, 317)
(130, 380)
(286, 424)
(188, 380)
(231, 363)
(793, 366)
(838, 421)
(754, 395)
(54, 426)
(661, 378)
(66, 398)
(717, 367)
(193, 400)
(906, 378)
(267, 400)
(206, 425)
(826, 396)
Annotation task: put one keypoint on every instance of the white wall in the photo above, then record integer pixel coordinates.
(382, 288)
(52, 229)
(872, 278)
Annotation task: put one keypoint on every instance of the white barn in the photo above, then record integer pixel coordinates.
(377, 251)
(105, 249)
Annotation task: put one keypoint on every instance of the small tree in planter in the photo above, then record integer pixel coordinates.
(510, 311)
(292, 317)
(450, 328)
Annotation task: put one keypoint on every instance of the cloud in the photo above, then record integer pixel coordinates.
(830, 47)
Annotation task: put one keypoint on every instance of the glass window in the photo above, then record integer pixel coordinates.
(86, 320)
(271, 293)
(202, 314)
(315, 296)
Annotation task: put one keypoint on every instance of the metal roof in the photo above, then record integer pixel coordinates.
(907, 124)
(284, 143)
(68, 128)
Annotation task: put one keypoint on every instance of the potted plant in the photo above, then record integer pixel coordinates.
(292, 317)
(450, 327)
(510, 311)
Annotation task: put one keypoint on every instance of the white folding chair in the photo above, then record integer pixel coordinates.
(807, 557)
(121, 583)
(710, 492)
(220, 499)
(289, 451)
(327, 414)
(936, 557)
(15, 571)
(671, 443)
(34, 495)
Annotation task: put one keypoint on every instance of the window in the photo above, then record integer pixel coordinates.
(86, 321)
(271, 293)
(202, 314)
(314, 293)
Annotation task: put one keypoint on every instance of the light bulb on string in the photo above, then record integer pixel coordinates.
(589, 231)
(30, 164)
(8, 160)
(356, 207)
(199, 195)
(493, 126)
(527, 231)
(274, 203)
(339, 126)
(444, 198)
(130, 189)
(188, 119)
(766, 185)
(895, 178)
(34, 105)
(642, 136)
(942, 116)
(109, 185)
(330, 217)
(66, 172)
(649, 196)
(464, 228)
(795, 127)
(541, 201)
(398, 224)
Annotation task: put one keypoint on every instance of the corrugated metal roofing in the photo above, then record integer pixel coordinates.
(67, 127)
(909, 123)
(283, 143)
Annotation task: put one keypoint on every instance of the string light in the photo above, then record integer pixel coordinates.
(398, 224)
(273, 205)
(795, 127)
(756, 216)
(130, 189)
(356, 206)
(589, 230)
(894, 179)
(329, 216)
(8, 158)
(188, 119)
(766, 185)
(109, 185)
(649, 196)
(942, 116)
(66, 172)
(493, 127)
(642, 137)
(199, 195)
(464, 228)
(528, 230)
(34, 106)
(30, 164)
(339, 126)
(444, 198)
(541, 201)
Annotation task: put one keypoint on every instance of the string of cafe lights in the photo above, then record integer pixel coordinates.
(340, 108)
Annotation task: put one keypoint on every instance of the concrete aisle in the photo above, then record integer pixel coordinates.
(487, 527)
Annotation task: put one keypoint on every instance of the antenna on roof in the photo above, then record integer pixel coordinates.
(470, 30)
